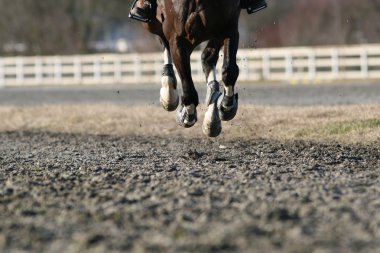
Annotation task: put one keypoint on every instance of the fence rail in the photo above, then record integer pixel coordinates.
(302, 64)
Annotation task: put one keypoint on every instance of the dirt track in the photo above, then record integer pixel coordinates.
(87, 193)
(259, 94)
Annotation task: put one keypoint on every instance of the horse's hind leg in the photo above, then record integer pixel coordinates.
(169, 98)
(210, 56)
(228, 103)
(212, 125)
(187, 114)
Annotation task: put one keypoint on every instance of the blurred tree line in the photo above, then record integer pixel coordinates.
(317, 22)
(69, 26)
(58, 26)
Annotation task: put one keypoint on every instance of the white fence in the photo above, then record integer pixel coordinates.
(304, 64)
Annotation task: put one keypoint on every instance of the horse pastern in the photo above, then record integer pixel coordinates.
(229, 91)
(213, 92)
(226, 111)
(228, 101)
(168, 70)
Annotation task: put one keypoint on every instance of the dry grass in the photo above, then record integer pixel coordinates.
(350, 124)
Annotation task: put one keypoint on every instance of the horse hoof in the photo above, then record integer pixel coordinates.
(169, 98)
(185, 119)
(212, 125)
(228, 107)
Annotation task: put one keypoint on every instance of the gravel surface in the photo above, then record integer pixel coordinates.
(268, 94)
(87, 193)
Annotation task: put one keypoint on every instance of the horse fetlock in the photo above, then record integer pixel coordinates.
(229, 90)
(168, 70)
(169, 98)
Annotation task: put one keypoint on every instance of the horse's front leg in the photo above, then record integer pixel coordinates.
(187, 113)
(228, 103)
(169, 98)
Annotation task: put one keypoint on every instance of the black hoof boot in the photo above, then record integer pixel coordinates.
(228, 107)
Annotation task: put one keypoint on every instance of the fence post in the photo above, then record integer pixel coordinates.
(97, 70)
(244, 67)
(38, 70)
(2, 73)
(57, 70)
(266, 66)
(118, 72)
(335, 63)
(77, 69)
(19, 70)
(289, 65)
(137, 62)
(364, 62)
(312, 64)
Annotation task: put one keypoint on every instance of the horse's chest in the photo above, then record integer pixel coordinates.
(195, 20)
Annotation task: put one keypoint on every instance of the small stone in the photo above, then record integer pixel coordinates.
(196, 193)
(95, 239)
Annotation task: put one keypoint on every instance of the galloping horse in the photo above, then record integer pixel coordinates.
(182, 25)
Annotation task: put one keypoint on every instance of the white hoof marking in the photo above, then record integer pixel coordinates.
(212, 125)
(168, 94)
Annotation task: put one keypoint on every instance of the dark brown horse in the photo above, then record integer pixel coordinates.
(182, 25)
